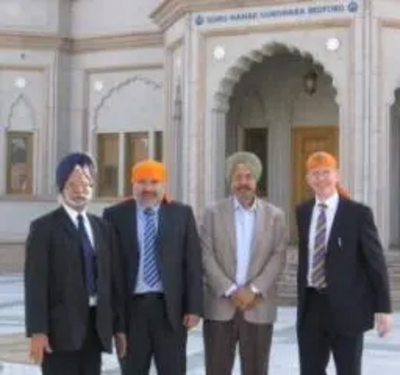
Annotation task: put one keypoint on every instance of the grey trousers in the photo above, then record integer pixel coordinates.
(221, 339)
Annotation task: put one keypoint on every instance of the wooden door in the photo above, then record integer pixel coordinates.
(306, 140)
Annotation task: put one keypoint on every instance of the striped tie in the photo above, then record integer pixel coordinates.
(150, 270)
(318, 266)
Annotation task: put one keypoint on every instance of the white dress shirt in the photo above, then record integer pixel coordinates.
(330, 211)
(73, 215)
(244, 229)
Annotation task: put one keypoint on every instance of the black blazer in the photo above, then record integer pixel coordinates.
(56, 297)
(179, 256)
(355, 267)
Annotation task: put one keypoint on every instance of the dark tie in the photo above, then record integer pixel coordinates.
(89, 258)
(318, 265)
(151, 275)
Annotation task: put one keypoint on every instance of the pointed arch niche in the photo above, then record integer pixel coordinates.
(19, 145)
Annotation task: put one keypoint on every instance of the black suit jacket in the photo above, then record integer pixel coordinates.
(56, 297)
(355, 267)
(178, 250)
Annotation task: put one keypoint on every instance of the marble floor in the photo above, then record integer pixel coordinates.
(381, 356)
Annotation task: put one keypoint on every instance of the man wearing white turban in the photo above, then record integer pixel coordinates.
(244, 242)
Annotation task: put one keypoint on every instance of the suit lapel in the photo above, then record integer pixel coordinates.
(308, 209)
(306, 215)
(98, 241)
(130, 237)
(258, 231)
(72, 236)
(161, 230)
(96, 232)
(131, 230)
(228, 216)
(339, 217)
(68, 225)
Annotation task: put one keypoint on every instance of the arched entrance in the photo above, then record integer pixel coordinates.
(283, 108)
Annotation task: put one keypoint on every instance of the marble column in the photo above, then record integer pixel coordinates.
(174, 137)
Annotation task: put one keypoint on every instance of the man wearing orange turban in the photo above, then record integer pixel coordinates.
(162, 268)
(342, 275)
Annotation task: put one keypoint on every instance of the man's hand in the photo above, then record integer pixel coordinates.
(120, 344)
(39, 346)
(244, 298)
(383, 323)
(190, 321)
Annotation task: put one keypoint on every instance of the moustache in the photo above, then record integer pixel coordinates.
(244, 187)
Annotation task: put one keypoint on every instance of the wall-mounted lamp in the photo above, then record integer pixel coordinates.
(310, 82)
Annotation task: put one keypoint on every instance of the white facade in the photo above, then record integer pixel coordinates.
(202, 72)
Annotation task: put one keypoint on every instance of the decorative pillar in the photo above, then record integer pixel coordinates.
(3, 159)
(215, 154)
(173, 127)
(193, 118)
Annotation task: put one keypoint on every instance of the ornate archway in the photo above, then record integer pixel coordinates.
(222, 105)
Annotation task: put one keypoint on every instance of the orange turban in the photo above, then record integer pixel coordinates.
(321, 159)
(149, 170)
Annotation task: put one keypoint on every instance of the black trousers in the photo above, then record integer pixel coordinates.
(317, 339)
(86, 361)
(152, 337)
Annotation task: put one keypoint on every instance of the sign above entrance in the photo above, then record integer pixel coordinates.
(260, 15)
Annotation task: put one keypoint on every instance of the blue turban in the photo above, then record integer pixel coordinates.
(68, 164)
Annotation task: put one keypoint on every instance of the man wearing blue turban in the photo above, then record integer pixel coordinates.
(73, 291)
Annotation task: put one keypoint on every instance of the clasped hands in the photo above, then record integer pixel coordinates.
(243, 298)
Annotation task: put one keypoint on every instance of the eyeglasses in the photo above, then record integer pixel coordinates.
(148, 183)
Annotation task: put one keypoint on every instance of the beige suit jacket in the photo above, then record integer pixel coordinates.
(269, 245)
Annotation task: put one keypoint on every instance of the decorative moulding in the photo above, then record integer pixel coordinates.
(43, 41)
(119, 41)
(21, 102)
(34, 41)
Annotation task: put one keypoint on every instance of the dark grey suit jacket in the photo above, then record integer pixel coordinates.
(56, 297)
(179, 256)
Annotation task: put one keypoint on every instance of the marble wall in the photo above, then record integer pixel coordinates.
(188, 71)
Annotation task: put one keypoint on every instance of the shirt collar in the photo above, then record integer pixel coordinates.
(238, 205)
(155, 208)
(331, 202)
(73, 214)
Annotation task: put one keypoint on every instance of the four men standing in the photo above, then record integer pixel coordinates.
(142, 274)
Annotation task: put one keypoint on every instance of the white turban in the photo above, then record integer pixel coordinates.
(248, 159)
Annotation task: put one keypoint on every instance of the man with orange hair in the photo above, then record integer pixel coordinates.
(162, 272)
(342, 276)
